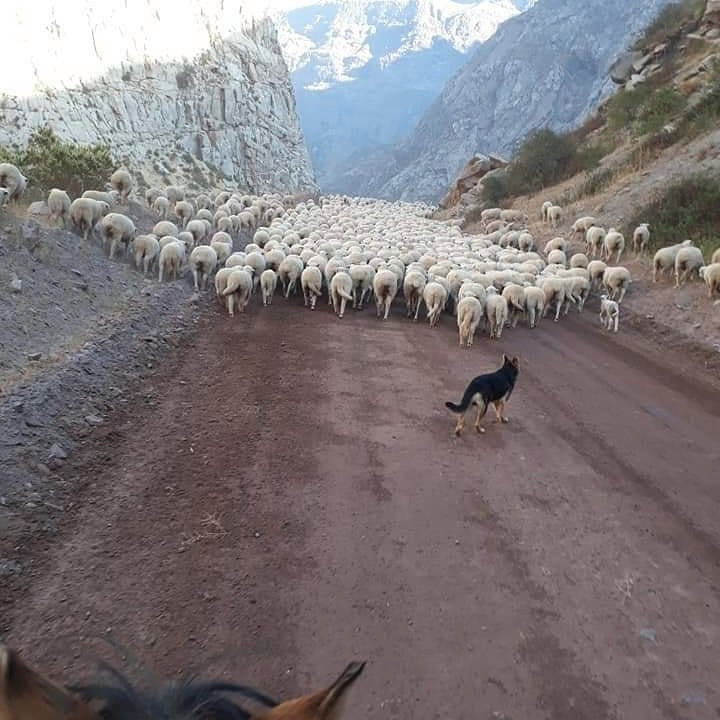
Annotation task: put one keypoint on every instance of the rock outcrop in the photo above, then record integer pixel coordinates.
(199, 95)
(546, 67)
(476, 170)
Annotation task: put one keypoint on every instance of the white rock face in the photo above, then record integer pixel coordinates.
(174, 88)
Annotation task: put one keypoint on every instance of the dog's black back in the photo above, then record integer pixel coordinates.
(491, 386)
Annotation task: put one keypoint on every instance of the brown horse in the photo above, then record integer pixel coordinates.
(27, 695)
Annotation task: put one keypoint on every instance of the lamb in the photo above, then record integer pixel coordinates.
(579, 260)
(609, 313)
(13, 181)
(641, 238)
(203, 261)
(146, 248)
(122, 183)
(614, 242)
(341, 287)
(111, 198)
(171, 259)
(544, 210)
(86, 213)
(435, 297)
(165, 227)
(616, 281)
(664, 258)
(554, 215)
(469, 315)
(514, 295)
(687, 261)
(385, 287)
(268, 283)
(117, 228)
(239, 289)
(594, 239)
(161, 205)
(496, 312)
(184, 212)
(413, 289)
(59, 206)
(711, 275)
(534, 303)
(289, 272)
(583, 224)
(311, 282)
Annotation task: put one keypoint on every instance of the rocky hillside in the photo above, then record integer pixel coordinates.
(545, 67)
(364, 71)
(199, 96)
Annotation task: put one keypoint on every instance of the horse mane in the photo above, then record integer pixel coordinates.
(184, 700)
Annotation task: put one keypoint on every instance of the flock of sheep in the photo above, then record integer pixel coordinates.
(359, 250)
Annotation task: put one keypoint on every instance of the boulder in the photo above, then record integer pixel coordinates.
(622, 68)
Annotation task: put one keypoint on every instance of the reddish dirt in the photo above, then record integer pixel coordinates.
(565, 566)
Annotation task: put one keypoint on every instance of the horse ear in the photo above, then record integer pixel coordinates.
(25, 694)
(322, 705)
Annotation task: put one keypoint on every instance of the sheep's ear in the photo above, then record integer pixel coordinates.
(26, 695)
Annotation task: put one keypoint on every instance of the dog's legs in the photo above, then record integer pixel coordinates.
(499, 407)
(460, 424)
(481, 410)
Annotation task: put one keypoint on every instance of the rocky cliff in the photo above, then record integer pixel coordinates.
(197, 95)
(546, 67)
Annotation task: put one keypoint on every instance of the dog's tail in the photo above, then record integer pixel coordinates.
(464, 403)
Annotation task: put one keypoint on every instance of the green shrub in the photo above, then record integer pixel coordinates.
(49, 162)
(662, 105)
(595, 182)
(687, 209)
(626, 106)
(495, 189)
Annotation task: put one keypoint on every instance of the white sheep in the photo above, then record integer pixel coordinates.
(577, 290)
(341, 287)
(119, 229)
(268, 283)
(152, 194)
(165, 227)
(171, 259)
(469, 315)
(711, 275)
(161, 205)
(557, 243)
(688, 260)
(122, 183)
(583, 224)
(554, 291)
(385, 287)
(514, 295)
(59, 206)
(111, 198)
(311, 281)
(86, 213)
(616, 281)
(557, 257)
(435, 296)
(362, 276)
(715, 257)
(239, 289)
(145, 248)
(221, 280)
(555, 215)
(664, 258)
(596, 270)
(534, 304)
(203, 261)
(609, 313)
(579, 260)
(544, 210)
(184, 212)
(222, 249)
(496, 312)
(413, 289)
(13, 181)
(614, 242)
(641, 238)
(594, 239)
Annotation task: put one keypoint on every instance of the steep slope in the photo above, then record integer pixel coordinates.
(365, 70)
(546, 67)
(194, 96)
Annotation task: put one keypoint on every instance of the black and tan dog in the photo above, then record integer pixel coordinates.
(494, 388)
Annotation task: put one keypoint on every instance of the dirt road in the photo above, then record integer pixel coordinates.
(288, 497)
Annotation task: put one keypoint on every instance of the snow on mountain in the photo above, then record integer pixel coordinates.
(365, 70)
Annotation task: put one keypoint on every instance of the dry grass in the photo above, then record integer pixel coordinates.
(212, 529)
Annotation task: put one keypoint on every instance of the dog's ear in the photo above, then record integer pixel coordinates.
(505, 358)
(515, 361)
